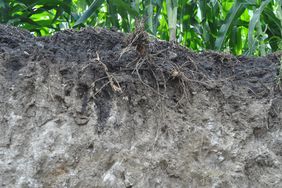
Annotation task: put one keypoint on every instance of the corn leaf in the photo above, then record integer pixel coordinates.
(92, 8)
(122, 6)
(254, 21)
(235, 12)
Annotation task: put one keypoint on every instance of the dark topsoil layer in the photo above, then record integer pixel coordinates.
(107, 61)
(99, 65)
(75, 52)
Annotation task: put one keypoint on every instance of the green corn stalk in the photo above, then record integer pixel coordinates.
(255, 23)
(136, 5)
(150, 13)
(172, 18)
(279, 15)
(279, 12)
(261, 42)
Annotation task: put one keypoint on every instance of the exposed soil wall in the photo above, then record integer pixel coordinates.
(96, 108)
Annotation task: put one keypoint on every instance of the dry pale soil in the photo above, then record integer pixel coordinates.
(98, 108)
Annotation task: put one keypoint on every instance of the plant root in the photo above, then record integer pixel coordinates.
(112, 80)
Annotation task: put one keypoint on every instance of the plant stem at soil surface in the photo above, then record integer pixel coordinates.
(172, 18)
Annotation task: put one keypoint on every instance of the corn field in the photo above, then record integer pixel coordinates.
(250, 27)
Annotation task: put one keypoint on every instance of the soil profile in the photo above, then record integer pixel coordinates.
(99, 108)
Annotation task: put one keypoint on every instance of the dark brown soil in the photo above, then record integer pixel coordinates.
(98, 108)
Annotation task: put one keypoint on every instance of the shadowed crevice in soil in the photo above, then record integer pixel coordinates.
(127, 110)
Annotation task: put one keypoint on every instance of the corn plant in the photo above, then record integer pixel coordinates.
(172, 17)
(252, 27)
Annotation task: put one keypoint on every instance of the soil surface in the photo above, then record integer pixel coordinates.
(98, 108)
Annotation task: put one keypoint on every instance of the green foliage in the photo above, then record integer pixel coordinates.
(255, 23)
(95, 5)
(252, 27)
(229, 23)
